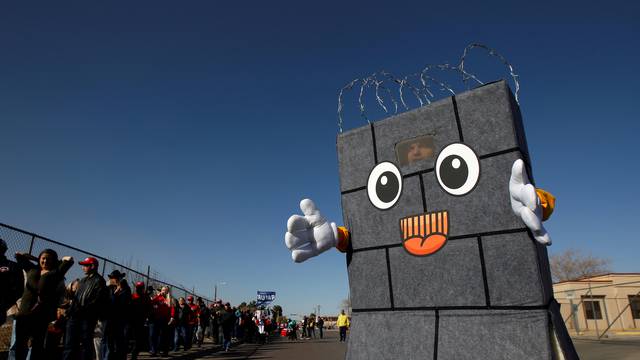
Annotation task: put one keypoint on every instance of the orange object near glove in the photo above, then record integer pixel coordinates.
(548, 203)
(343, 239)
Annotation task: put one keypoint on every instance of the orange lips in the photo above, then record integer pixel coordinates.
(425, 234)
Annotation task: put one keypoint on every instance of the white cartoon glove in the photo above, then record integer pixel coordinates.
(311, 234)
(525, 202)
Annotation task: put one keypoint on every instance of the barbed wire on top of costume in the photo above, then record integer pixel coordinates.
(423, 86)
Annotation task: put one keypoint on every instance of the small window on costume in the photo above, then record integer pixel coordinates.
(414, 150)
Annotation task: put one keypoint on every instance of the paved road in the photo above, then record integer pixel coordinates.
(330, 349)
(608, 349)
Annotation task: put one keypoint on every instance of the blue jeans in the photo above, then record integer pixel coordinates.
(114, 342)
(12, 345)
(226, 339)
(78, 341)
(182, 336)
(343, 333)
(158, 336)
(25, 328)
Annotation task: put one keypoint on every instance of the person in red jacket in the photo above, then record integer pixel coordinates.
(159, 322)
(140, 311)
(194, 318)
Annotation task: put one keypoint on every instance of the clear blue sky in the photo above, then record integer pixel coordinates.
(184, 134)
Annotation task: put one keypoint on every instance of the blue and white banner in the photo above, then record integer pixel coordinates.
(265, 297)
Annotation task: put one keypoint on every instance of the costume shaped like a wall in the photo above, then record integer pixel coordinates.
(445, 249)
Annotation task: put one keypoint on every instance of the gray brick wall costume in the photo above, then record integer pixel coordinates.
(486, 293)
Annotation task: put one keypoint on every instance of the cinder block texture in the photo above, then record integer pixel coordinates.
(371, 227)
(494, 334)
(490, 119)
(368, 280)
(451, 277)
(486, 208)
(513, 275)
(356, 157)
(405, 335)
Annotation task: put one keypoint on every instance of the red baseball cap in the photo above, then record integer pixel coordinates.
(89, 261)
(189, 297)
(140, 284)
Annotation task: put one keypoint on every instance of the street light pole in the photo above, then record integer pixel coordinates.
(215, 289)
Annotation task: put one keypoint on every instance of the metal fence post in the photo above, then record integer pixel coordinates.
(593, 310)
(148, 273)
(104, 266)
(33, 239)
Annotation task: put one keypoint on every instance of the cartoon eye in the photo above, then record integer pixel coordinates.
(384, 185)
(457, 169)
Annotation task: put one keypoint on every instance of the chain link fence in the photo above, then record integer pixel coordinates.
(19, 240)
(601, 306)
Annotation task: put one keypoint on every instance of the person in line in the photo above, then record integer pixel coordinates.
(343, 325)
(114, 341)
(305, 321)
(86, 308)
(39, 302)
(12, 280)
(311, 327)
(320, 324)
(159, 322)
(193, 320)
(291, 329)
(203, 321)
(182, 317)
(140, 312)
(228, 321)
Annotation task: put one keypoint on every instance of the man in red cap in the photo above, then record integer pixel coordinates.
(89, 300)
(194, 319)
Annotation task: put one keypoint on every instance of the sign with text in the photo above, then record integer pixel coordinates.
(265, 297)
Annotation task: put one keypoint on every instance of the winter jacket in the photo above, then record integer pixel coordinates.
(182, 315)
(227, 320)
(119, 302)
(161, 310)
(343, 320)
(12, 282)
(91, 297)
(41, 295)
(140, 308)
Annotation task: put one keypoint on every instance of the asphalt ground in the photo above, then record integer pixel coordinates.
(330, 348)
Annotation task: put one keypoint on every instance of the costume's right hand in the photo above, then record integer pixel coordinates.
(311, 234)
(525, 202)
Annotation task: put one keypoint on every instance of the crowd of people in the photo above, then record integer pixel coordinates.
(91, 318)
(307, 327)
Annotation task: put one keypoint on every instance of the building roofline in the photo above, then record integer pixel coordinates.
(587, 278)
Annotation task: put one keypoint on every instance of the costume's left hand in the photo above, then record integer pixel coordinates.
(525, 202)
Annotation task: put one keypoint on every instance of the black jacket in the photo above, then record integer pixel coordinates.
(119, 302)
(41, 295)
(182, 314)
(227, 320)
(91, 298)
(12, 283)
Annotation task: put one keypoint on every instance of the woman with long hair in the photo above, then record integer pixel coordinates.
(40, 300)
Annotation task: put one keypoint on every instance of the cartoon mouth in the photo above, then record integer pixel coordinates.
(425, 234)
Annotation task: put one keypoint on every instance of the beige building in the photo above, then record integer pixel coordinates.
(591, 305)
